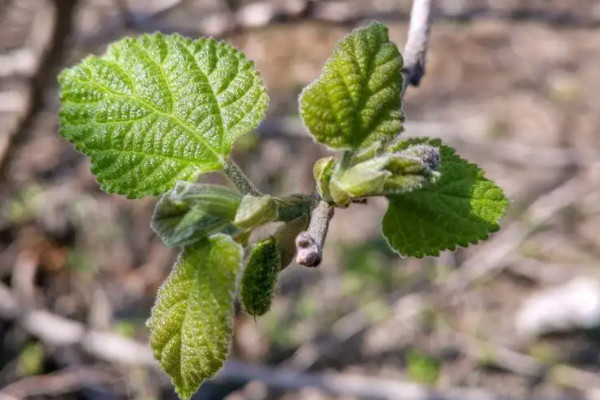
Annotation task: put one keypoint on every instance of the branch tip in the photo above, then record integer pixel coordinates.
(309, 244)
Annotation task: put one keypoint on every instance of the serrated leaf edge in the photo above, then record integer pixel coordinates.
(318, 79)
(199, 170)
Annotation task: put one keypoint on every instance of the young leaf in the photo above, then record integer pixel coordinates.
(191, 322)
(462, 207)
(391, 173)
(159, 108)
(255, 211)
(356, 101)
(413, 168)
(260, 277)
(322, 172)
(367, 153)
(363, 179)
(192, 211)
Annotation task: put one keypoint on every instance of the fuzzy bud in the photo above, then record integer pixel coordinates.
(363, 179)
(322, 171)
(260, 277)
(413, 168)
(255, 211)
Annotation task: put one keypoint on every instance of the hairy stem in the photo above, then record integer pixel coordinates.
(239, 179)
(309, 244)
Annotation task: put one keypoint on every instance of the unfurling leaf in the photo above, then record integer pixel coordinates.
(322, 172)
(413, 168)
(367, 153)
(193, 211)
(260, 277)
(356, 100)
(159, 108)
(462, 207)
(429, 156)
(191, 321)
(255, 211)
(361, 180)
(391, 173)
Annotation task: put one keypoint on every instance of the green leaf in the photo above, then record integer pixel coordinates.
(413, 168)
(322, 172)
(356, 100)
(363, 179)
(260, 277)
(191, 322)
(192, 211)
(255, 211)
(159, 108)
(462, 207)
(391, 173)
(367, 153)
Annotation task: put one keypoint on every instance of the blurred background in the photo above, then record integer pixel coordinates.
(513, 85)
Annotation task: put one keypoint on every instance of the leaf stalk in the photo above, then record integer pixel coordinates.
(242, 183)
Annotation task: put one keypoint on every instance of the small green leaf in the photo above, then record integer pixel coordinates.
(356, 100)
(462, 207)
(192, 211)
(260, 277)
(413, 168)
(391, 173)
(191, 321)
(322, 172)
(367, 153)
(363, 179)
(159, 108)
(255, 211)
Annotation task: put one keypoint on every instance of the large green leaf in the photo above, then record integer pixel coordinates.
(191, 321)
(159, 108)
(192, 211)
(462, 207)
(356, 100)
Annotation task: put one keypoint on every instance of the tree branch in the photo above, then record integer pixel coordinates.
(416, 44)
(309, 244)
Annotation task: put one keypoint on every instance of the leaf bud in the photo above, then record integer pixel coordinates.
(260, 277)
(413, 168)
(192, 211)
(322, 171)
(364, 179)
(255, 211)
(368, 152)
